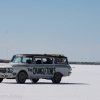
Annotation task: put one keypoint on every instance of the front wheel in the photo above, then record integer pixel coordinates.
(1, 79)
(57, 78)
(35, 80)
(21, 77)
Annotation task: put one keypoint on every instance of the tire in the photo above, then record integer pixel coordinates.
(35, 80)
(21, 77)
(1, 79)
(57, 78)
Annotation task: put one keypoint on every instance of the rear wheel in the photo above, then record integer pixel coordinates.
(57, 78)
(35, 80)
(1, 79)
(21, 77)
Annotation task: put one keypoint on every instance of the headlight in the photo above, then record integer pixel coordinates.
(9, 70)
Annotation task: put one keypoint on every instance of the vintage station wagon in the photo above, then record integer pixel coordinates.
(36, 66)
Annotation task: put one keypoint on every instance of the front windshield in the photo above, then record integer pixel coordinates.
(22, 59)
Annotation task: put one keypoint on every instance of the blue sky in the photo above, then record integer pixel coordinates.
(69, 27)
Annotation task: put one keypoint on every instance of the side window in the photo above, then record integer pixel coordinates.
(47, 60)
(37, 60)
(65, 60)
(27, 60)
(61, 61)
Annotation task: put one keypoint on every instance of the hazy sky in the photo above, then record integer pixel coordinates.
(69, 27)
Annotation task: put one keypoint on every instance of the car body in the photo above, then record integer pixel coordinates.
(36, 66)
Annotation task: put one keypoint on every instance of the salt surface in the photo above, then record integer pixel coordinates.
(83, 84)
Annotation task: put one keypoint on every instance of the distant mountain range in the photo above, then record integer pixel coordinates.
(85, 63)
(70, 62)
(4, 61)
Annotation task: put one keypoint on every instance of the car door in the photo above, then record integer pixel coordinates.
(27, 63)
(48, 66)
(38, 70)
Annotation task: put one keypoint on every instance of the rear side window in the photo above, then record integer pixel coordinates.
(61, 61)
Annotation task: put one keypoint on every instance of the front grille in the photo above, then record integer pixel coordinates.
(2, 70)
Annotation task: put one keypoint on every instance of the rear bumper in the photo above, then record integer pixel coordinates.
(69, 73)
(7, 75)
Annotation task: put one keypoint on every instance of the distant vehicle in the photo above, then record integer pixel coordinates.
(36, 66)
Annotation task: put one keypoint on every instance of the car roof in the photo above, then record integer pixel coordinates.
(43, 55)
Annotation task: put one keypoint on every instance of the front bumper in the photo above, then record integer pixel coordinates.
(7, 75)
